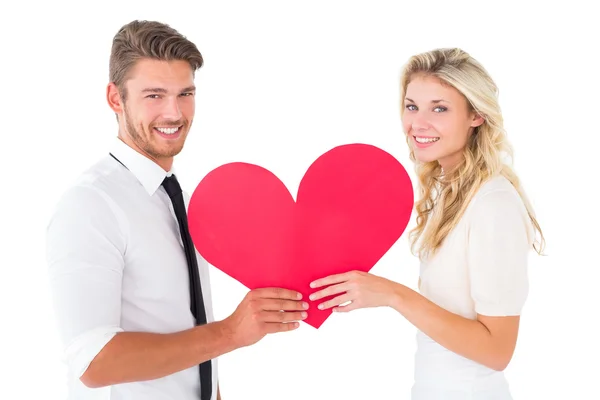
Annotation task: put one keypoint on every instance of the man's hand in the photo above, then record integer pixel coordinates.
(265, 311)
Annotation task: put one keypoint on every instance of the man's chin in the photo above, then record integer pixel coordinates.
(162, 151)
(167, 153)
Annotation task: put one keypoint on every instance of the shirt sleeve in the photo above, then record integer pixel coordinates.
(85, 245)
(499, 241)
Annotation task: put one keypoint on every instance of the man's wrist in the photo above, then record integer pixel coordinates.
(230, 335)
(220, 337)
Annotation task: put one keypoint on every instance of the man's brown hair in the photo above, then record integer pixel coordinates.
(148, 39)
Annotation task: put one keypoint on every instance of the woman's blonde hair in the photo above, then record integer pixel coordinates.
(487, 153)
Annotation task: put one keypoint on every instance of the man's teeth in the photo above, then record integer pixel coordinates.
(167, 131)
(426, 139)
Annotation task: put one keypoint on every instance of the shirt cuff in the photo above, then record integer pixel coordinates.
(82, 351)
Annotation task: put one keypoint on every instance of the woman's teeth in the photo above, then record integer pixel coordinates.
(426, 139)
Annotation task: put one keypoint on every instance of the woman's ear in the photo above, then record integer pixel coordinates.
(477, 120)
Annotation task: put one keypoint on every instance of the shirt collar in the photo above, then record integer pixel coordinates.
(146, 171)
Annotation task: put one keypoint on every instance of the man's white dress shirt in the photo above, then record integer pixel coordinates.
(116, 263)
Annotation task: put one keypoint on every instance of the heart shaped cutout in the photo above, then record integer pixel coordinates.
(353, 203)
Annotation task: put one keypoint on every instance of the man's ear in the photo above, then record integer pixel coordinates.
(114, 98)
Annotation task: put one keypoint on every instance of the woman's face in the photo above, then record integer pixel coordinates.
(437, 120)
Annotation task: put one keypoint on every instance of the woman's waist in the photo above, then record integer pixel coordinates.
(436, 365)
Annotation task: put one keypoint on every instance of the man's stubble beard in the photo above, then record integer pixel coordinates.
(145, 144)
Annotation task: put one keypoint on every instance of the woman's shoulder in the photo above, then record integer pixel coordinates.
(498, 207)
(497, 183)
(497, 191)
(497, 196)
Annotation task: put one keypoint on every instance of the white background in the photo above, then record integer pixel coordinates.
(283, 82)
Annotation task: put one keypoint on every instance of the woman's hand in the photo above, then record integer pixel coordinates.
(361, 289)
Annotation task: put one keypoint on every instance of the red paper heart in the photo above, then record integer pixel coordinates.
(353, 204)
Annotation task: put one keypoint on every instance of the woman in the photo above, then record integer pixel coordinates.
(474, 230)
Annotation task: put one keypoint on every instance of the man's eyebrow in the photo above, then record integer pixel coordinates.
(154, 90)
(163, 90)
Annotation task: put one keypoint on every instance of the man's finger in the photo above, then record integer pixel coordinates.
(279, 316)
(277, 293)
(274, 327)
(282, 305)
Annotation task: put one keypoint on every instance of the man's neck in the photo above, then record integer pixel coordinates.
(165, 163)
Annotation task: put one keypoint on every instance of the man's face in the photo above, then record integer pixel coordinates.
(158, 110)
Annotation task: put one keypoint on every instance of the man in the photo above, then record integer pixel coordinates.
(131, 294)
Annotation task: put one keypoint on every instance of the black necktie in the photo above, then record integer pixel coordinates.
(197, 302)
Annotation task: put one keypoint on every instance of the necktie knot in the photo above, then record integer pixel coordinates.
(171, 186)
